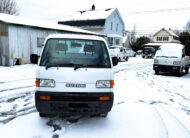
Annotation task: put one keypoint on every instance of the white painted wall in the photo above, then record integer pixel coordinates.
(23, 42)
(114, 18)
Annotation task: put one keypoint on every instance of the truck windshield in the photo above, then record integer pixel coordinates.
(72, 53)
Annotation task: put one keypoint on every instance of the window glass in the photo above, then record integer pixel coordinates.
(72, 52)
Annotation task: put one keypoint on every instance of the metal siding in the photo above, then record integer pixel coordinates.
(4, 44)
(23, 42)
(115, 20)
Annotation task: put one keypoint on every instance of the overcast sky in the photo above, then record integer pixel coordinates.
(144, 14)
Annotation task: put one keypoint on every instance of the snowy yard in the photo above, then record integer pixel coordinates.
(145, 106)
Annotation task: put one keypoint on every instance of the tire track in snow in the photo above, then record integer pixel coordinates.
(135, 67)
(160, 114)
(3, 82)
(16, 88)
(173, 118)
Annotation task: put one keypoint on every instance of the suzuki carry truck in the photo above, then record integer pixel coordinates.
(74, 76)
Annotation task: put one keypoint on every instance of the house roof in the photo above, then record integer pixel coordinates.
(88, 18)
(10, 19)
(168, 31)
(90, 15)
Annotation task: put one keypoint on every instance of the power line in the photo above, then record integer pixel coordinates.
(158, 11)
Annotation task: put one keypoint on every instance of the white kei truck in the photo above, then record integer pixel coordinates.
(74, 76)
(171, 58)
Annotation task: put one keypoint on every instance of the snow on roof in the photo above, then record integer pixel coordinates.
(76, 36)
(41, 24)
(114, 35)
(170, 49)
(172, 33)
(168, 30)
(90, 15)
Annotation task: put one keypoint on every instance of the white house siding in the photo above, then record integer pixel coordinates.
(23, 42)
(114, 18)
(4, 44)
(163, 34)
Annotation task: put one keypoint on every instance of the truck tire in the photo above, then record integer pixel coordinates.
(42, 115)
(126, 59)
(179, 74)
(157, 72)
(187, 70)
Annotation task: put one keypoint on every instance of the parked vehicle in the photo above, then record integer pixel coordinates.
(171, 58)
(148, 52)
(74, 76)
(119, 52)
(131, 53)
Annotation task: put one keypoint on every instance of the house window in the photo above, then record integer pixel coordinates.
(117, 28)
(111, 26)
(165, 38)
(159, 38)
(40, 41)
(110, 40)
(117, 41)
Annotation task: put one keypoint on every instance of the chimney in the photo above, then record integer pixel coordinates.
(93, 7)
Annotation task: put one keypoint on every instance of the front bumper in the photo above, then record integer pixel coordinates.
(67, 103)
(166, 68)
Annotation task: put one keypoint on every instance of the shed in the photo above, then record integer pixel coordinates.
(21, 37)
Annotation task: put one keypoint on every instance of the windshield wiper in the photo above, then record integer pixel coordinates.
(163, 56)
(173, 57)
(59, 65)
(77, 66)
(96, 65)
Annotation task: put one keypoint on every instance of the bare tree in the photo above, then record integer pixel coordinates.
(187, 27)
(9, 7)
(131, 37)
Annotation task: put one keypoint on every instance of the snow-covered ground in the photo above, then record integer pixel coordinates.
(145, 106)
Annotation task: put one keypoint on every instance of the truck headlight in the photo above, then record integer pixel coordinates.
(105, 84)
(156, 61)
(45, 83)
(177, 63)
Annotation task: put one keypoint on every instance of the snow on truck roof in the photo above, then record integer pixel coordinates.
(41, 24)
(76, 36)
(170, 49)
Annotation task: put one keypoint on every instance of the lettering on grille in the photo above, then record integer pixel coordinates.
(72, 85)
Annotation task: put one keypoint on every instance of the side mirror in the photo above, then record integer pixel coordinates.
(34, 58)
(114, 61)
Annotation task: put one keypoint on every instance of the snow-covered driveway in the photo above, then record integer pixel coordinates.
(145, 106)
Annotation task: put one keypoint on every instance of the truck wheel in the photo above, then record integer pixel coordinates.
(180, 72)
(187, 70)
(157, 72)
(126, 59)
(42, 115)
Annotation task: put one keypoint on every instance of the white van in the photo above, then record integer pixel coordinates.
(74, 76)
(171, 57)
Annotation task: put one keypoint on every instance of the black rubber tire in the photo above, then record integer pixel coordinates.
(42, 115)
(179, 74)
(186, 70)
(126, 59)
(157, 72)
